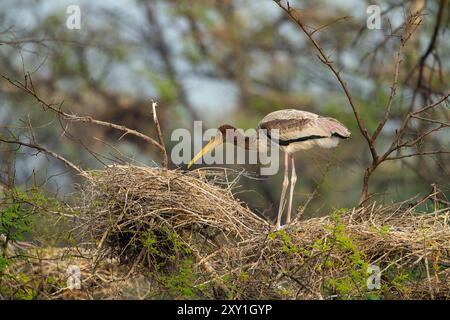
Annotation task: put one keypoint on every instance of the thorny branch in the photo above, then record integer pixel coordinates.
(28, 87)
(412, 22)
(42, 149)
(329, 63)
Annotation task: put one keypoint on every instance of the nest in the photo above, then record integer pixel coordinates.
(45, 274)
(189, 232)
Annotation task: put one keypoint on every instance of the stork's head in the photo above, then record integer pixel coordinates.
(224, 133)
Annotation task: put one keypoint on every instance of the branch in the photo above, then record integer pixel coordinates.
(445, 124)
(325, 60)
(408, 28)
(165, 160)
(410, 115)
(420, 137)
(387, 113)
(84, 119)
(42, 149)
(329, 24)
(417, 154)
(431, 105)
(431, 45)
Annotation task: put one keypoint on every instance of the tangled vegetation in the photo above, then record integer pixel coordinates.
(146, 233)
(77, 100)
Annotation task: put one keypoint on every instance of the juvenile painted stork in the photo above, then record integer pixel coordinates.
(293, 130)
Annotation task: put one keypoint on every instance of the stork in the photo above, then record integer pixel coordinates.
(293, 130)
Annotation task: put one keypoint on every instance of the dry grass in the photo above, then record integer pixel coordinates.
(43, 274)
(145, 233)
(198, 241)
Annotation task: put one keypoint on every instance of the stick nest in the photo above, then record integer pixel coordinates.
(189, 234)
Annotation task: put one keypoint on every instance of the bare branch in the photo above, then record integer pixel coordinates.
(84, 119)
(42, 149)
(427, 153)
(165, 160)
(387, 113)
(445, 124)
(326, 60)
(432, 105)
(330, 23)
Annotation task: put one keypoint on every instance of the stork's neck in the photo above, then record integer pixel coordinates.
(231, 135)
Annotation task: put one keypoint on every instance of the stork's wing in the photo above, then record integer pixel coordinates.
(333, 127)
(296, 125)
(293, 129)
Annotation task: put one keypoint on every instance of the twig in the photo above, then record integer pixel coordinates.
(165, 160)
(427, 153)
(84, 119)
(325, 60)
(387, 112)
(330, 23)
(411, 24)
(42, 149)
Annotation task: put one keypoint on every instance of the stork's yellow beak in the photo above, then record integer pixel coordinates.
(210, 146)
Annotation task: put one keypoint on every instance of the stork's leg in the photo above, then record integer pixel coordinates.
(283, 190)
(291, 193)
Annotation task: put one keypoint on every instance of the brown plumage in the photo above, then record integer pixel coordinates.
(300, 130)
(293, 130)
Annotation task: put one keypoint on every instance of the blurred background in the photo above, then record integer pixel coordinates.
(220, 61)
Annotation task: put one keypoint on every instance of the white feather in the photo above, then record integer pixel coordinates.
(308, 144)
